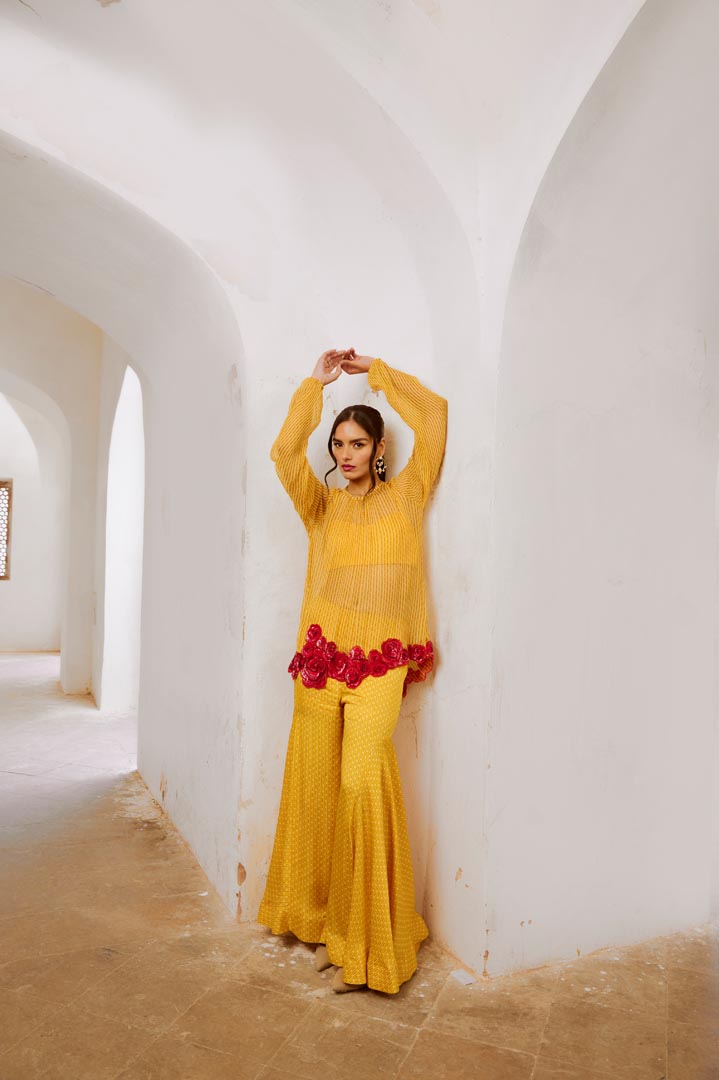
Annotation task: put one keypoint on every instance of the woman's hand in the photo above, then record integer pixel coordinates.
(328, 368)
(354, 364)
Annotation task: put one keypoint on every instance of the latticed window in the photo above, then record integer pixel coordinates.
(5, 512)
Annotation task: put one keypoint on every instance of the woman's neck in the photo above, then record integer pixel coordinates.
(358, 487)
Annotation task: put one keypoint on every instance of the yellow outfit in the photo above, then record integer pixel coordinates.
(341, 869)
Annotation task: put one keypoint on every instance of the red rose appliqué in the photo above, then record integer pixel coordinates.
(314, 671)
(320, 660)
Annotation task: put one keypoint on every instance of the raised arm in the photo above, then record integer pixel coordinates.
(426, 413)
(289, 450)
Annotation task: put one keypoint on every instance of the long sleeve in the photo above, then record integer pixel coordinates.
(289, 452)
(426, 413)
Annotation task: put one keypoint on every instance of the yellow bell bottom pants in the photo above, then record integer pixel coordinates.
(341, 868)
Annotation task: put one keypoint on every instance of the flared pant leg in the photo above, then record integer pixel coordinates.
(341, 867)
(373, 930)
(298, 880)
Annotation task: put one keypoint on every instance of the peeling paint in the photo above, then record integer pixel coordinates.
(432, 9)
(234, 386)
(242, 876)
(458, 875)
(416, 742)
(163, 786)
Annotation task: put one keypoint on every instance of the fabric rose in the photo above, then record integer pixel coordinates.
(353, 675)
(320, 660)
(338, 665)
(377, 663)
(392, 651)
(314, 671)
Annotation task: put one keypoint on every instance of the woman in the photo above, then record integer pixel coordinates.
(341, 870)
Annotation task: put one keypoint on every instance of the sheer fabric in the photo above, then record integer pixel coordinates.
(365, 575)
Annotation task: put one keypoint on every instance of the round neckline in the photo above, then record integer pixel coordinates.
(378, 487)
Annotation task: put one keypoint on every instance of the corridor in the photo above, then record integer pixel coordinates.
(118, 960)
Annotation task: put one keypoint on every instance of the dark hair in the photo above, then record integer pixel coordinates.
(370, 420)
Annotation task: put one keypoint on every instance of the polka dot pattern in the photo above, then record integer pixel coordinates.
(341, 868)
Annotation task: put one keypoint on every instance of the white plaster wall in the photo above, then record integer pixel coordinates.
(601, 809)
(409, 324)
(159, 303)
(292, 286)
(57, 352)
(113, 365)
(334, 201)
(32, 455)
(119, 534)
(123, 532)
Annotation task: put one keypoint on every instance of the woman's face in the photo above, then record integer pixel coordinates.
(352, 447)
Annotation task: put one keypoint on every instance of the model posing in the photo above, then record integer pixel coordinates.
(341, 869)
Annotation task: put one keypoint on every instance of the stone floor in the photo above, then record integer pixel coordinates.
(117, 959)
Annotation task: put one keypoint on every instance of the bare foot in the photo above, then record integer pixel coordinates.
(322, 959)
(340, 986)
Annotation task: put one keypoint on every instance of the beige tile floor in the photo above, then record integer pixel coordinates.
(117, 959)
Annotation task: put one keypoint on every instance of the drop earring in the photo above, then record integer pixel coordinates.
(380, 467)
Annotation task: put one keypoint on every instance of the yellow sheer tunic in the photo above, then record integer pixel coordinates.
(365, 578)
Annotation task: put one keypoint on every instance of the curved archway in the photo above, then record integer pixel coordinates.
(17, 387)
(36, 441)
(122, 595)
(150, 293)
(605, 539)
(48, 538)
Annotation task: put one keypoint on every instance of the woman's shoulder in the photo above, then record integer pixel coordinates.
(400, 488)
